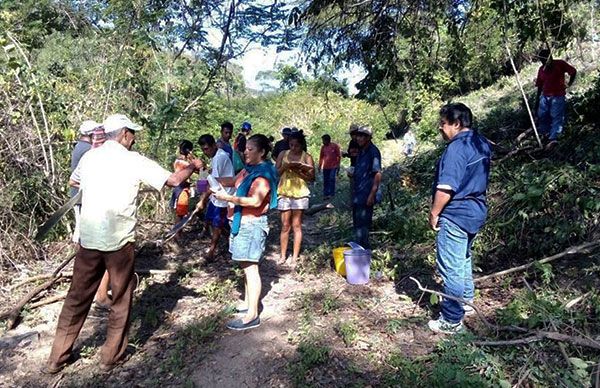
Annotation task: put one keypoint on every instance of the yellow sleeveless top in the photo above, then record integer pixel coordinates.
(290, 183)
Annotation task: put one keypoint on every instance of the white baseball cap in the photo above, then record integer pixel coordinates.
(365, 129)
(119, 121)
(88, 126)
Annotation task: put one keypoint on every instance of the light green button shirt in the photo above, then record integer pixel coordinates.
(110, 177)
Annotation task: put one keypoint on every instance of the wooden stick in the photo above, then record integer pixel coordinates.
(13, 314)
(512, 62)
(537, 335)
(44, 276)
(519, 341)
(30, 280)
(56, 298)
(578, 341)
(64, 264)
(583, 248)
(468, 303)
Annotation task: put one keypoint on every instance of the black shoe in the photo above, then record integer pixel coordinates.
(238, 324)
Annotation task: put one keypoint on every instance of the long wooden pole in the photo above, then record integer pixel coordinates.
(512, 62)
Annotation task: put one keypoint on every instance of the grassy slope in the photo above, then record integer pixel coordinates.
(540, 204)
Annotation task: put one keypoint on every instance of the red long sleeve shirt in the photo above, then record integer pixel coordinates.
(552, 78)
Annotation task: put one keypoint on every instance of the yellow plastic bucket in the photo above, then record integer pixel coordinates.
(338, 260)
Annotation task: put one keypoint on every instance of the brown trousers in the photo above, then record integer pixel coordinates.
(87, 272)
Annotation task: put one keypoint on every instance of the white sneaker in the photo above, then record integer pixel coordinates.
(468, 309)
(441, 325)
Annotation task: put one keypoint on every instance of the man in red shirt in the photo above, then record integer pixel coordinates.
(551, 91)
(329, 163)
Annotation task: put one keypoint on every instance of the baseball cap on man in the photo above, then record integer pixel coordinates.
(365, 129)
(88, 126)
(119, 121)
(353, 128)
(246, 126)
(286, 131)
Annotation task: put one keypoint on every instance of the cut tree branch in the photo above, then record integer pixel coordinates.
(535, 335)
(468, 303)
(583, 248)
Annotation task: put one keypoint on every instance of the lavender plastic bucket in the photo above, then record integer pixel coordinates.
(358, 265)
(202, 185)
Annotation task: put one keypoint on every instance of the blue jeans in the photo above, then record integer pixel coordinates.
(551, 115)
(329, 181)
(362, 219)
(455, 267)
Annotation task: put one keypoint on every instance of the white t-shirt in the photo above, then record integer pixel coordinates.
(110, 177)
(222, 167)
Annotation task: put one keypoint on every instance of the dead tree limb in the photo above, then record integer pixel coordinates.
(44, 276)
(519, 341)
(583, 248)
(13, 314)
(64, 264)
(317, 208)
(541, 335)
(479, 314)
(514, 152)
(536, 335)
(30, 280)
(54, 299)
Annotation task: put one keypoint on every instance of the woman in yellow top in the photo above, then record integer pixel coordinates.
(296, 169)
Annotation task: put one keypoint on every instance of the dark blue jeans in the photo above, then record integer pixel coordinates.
(455, 267)
(329, 181)
(551, 115)
(362, 219)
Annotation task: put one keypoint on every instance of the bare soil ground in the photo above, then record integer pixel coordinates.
(178, 335)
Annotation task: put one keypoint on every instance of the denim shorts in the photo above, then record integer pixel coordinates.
(249, 243)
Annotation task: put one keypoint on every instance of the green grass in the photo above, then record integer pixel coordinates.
(218, 291)
(347, 331)
(310, 354)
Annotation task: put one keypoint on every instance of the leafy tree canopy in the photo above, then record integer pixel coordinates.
(446, 46)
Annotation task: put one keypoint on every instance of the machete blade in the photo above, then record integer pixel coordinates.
(56, 216)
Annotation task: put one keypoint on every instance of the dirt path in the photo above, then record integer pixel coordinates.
(255, 357)
(315, 329)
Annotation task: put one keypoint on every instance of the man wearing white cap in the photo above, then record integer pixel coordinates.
(109, 177)
(83, 145)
